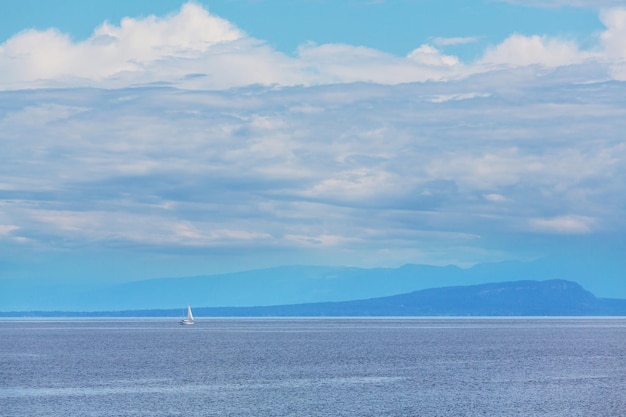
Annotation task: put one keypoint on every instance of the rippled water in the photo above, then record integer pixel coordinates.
(314, 367)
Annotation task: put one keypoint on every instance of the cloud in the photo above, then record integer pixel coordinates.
(138, 228)
(614, 40)
(339, 63)
(355, 167)
(564, 224)
(5, 229)
(427, 55)
(194, 49)
(495, 198)
(337, 149)
(439, 41)
(614, 37)
(457, 97)
(519, 50)
(113, 51)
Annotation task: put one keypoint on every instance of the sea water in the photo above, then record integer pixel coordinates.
(314, 367)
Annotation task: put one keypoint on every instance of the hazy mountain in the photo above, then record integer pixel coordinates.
(283, 285)
(298, 285)
(518, 298)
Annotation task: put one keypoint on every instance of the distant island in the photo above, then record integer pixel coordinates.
(297, 285)
(514, 298)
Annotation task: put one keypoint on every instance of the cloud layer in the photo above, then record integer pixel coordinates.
(206, 141)
(195, 49)
(349, 168)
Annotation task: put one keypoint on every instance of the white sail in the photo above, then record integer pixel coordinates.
(189, 319)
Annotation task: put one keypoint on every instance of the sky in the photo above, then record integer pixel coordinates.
(164, 138)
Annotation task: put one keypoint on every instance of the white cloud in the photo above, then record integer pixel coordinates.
(519, 50)
(112, 51)
(614, 40)
(370, 168)
(320, 240)
(440, 41)
(614, 37)
(142, 228)
(427, 55)
(370, 165)
(197, 50)
(564, 224)
(486, 170)
(358, 184)
(194, 49)
(333, 63)
(495, 198)
(456, 97)
(5, 229)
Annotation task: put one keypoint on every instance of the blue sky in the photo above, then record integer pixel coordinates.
(393, 26)
(163, 138)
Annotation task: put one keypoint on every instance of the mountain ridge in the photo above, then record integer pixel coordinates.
(298, 285)
(511, 298)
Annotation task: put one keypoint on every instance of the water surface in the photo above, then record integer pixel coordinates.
(314, 367)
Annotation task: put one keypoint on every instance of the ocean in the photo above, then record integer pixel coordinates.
(353, 367)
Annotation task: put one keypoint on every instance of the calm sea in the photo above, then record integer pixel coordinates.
(314, 367)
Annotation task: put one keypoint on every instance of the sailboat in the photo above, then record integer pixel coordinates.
(189, 319)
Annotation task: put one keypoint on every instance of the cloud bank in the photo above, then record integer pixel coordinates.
(195, 49)
(201, 140)
(394, 172)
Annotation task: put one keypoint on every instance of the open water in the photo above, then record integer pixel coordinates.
(314, 367)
